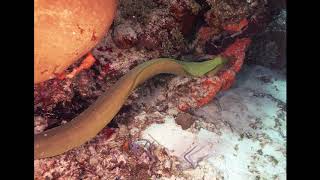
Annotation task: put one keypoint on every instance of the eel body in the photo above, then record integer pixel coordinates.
(90, 122)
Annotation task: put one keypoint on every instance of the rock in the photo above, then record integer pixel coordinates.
(167, 164)
(124, 36)
(185, 120)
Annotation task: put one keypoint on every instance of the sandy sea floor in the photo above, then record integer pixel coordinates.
(241, 135)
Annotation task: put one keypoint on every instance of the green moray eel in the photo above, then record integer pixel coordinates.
(89, 123)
